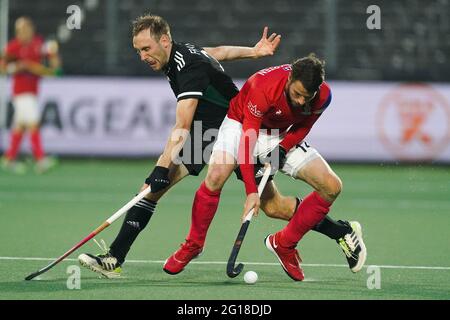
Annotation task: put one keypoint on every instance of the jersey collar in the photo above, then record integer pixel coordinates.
(170, 63)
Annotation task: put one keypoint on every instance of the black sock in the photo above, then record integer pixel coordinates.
(135, 221)
(329, 227)
(333, 229)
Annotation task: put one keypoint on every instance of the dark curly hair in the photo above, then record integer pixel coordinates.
(310, 71)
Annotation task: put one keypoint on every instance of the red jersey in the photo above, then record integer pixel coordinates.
(262, 103)
(25, 82)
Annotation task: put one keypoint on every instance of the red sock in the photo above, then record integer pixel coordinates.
(16, 139)
(203, 210)
(36, 145)
(310, 212)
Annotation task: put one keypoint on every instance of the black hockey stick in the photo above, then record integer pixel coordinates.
(232, 270)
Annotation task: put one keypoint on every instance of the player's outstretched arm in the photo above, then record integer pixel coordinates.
(159, 177)
(184, 116)
(39, 69)
(266, 46)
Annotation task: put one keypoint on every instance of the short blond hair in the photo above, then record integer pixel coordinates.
(156, 24)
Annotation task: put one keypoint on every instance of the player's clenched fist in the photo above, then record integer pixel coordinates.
(252, 202)
(158, 179)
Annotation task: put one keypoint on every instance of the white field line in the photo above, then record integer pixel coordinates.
(249, 263)
(64, 196)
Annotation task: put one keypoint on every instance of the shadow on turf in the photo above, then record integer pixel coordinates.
(96, 283)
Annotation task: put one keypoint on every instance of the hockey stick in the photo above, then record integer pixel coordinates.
(232, 270)
(103, 226)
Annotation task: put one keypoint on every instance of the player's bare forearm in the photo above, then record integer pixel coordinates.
(266, 46)
(227, 53)
(184, 115)
(173, 146)
(39, 69)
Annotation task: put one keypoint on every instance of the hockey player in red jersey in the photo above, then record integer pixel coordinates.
(268, 120)
(22, 58)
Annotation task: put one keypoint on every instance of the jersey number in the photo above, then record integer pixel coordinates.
(304, 146)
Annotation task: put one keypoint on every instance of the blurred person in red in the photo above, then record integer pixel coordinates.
(23, 59)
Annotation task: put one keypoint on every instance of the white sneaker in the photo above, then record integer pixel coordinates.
(45, 164)
(13, 166)
(105, 264)
(353, 246)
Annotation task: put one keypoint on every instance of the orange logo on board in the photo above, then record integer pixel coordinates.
(413, 122)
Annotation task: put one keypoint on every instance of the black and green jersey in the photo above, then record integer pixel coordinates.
(193, 73)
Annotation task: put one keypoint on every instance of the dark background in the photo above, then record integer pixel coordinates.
(412, 45)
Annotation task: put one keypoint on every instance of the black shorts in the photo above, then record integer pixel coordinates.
(194, 169)
(258, 173)
(204, 130)
(195, 154)
(197, 149)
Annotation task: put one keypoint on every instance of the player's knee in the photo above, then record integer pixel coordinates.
(332, 187)
(33, 127)
(215, 179)
(19, 128)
